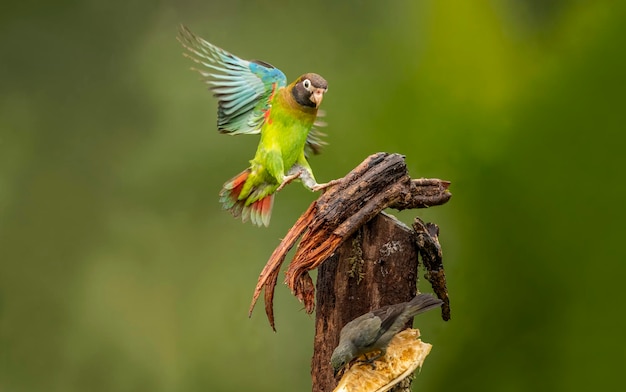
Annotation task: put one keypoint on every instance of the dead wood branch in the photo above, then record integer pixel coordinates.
(381, 181)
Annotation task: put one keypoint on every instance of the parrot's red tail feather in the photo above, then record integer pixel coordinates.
(229, 195)
(262, 210)
(258, 211)
(235, 185)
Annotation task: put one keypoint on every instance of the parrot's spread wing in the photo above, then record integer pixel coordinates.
(243, 88)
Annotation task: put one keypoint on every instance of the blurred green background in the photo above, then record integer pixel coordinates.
(119, 271)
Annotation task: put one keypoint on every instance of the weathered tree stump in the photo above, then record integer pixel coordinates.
(375, 267)
(366, 259)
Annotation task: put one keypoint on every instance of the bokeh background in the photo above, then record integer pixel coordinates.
(119, 271)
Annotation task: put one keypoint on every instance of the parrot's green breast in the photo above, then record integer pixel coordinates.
(290, 126)
(286, 129)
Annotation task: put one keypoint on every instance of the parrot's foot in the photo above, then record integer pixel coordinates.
(287, 179)
(319, 187)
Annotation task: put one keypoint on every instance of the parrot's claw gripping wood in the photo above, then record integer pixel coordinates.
(320, 187)
(288, 179)
(381, 181)
(306, 176)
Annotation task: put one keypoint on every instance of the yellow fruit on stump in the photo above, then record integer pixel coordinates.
(405, 353)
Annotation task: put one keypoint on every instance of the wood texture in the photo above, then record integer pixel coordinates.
(380, 181)
(366, 258)
(376, 266)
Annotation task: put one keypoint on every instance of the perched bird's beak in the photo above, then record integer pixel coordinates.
(317, 96)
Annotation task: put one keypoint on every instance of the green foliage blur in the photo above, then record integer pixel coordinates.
(119, 271)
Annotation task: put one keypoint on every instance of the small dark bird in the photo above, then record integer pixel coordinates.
(374, 330)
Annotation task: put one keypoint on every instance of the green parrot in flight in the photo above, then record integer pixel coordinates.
(254, 97)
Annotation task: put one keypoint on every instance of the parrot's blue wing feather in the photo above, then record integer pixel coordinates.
(243, 88)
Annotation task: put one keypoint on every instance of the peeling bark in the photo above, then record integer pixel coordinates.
(381, 181)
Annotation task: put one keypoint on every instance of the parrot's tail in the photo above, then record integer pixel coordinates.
(422, 303)
(259, 211)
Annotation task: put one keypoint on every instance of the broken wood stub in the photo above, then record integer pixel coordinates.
(376, 266)
(427, 240)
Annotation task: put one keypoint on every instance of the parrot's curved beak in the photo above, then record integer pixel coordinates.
(317, 96)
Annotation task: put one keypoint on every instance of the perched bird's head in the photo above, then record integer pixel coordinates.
(308, 90)
(343, 354)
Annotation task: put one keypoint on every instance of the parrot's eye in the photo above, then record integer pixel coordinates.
(306, 83)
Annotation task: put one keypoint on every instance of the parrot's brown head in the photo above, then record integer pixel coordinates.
(308, 90)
